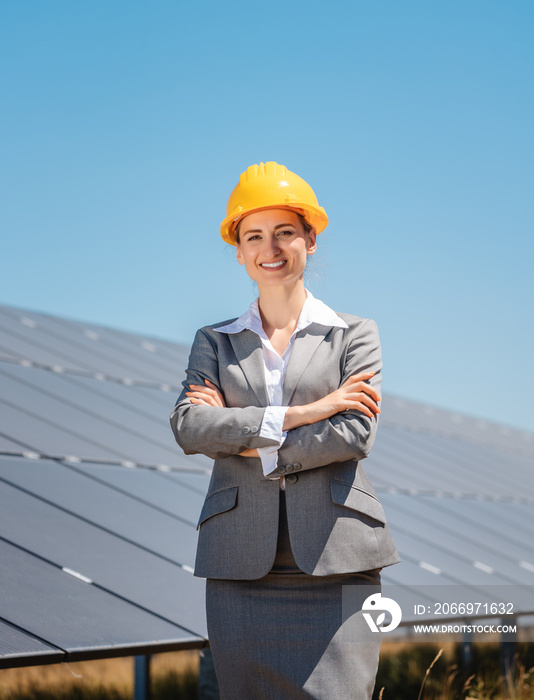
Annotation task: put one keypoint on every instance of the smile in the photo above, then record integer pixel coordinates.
(274, 265)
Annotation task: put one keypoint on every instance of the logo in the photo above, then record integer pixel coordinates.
(377, 603)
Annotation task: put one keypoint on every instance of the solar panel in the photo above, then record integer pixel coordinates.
(46, 435)
(432, 462)
(115, 512)
(116, 565)
(465, 540)
(170, 497)
(78, 617)
(51, 341)
(73, 410)
(417, 417)
(511, 522)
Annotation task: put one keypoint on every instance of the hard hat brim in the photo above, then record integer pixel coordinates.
(315, 216)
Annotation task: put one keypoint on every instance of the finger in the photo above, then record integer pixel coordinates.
(364, 399)
(215, 393)
(201, 387)
(365, 410)
(199, 402)
(214, 388)
(199, 396)
(363, 388)
(200, 393)
(204, 390)
(368, 396)
(362, 408)
(368, 401)
(361, 376)
(213, 398)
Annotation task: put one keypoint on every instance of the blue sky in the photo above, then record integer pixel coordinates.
(125, 125)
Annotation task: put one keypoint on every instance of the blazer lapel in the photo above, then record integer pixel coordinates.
(249, 352)
(303, 349)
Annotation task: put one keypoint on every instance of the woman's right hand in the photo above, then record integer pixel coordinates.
(208, 395)
(354, 394)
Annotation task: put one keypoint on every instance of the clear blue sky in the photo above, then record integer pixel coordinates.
(125, 125)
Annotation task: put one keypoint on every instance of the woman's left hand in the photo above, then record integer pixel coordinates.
(208, 395)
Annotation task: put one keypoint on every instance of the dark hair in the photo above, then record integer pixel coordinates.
(305, 225)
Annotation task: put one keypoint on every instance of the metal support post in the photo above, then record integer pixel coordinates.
(142, 678)
(208, 687)
(508, 648)
(467, 649)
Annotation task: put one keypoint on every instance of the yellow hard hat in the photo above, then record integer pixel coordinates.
(271, 186)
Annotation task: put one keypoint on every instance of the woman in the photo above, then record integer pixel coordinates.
(285, 400)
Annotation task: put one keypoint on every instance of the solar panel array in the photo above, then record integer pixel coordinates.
(98, 506)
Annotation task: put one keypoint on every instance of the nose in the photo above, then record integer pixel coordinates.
(273, 246)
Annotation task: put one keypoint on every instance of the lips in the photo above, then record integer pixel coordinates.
(274, 265)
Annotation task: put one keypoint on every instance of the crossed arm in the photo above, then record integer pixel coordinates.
(354, 394)
(338, 427)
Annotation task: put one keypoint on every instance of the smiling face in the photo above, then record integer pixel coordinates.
(274, 246)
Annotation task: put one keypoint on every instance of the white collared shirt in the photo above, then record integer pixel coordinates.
(275, 366)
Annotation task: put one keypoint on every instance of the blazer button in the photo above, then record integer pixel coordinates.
(292, 479)
(281, 469)
(254, 429)
(246, 430)
(289, 468)
(297, 466)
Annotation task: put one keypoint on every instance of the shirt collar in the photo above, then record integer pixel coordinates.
(313, 311)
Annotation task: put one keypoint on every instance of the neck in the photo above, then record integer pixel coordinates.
(280, 307)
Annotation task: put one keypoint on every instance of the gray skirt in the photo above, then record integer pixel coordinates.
(281, 637)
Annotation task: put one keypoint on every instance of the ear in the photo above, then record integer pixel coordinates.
(312, 242)
(239, 255)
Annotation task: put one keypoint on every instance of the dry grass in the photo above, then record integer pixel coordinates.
(407, 672)
(104, 679)
(427, 672)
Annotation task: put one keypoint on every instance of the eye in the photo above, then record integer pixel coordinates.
(286, 232)
(255, 237)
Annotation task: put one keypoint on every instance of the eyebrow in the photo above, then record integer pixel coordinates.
(259, 230)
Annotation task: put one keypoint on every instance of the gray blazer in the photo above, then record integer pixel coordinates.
(336, 522)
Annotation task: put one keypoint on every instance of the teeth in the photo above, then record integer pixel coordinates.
(276, 264)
